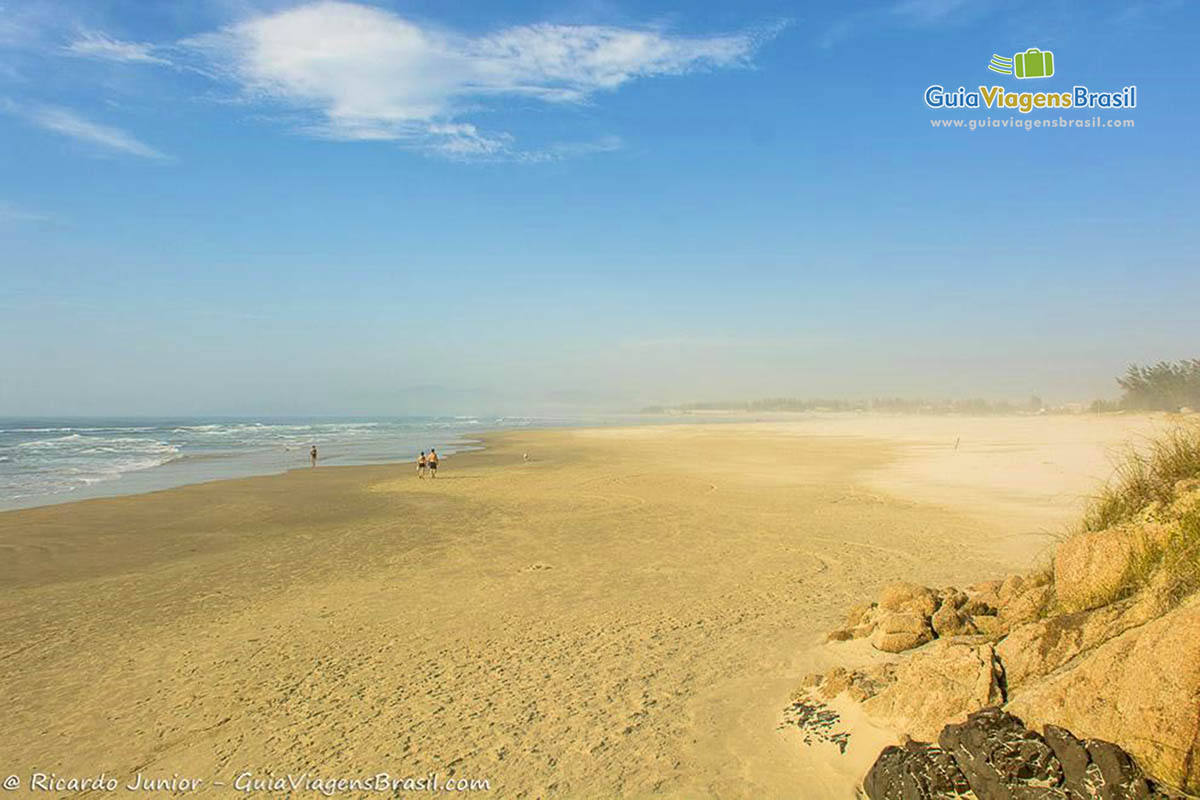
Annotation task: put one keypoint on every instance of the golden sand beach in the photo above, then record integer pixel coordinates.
(625, 614)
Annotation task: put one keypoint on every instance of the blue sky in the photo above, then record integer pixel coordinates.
(238, 207)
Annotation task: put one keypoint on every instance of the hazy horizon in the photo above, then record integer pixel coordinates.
(334, 208)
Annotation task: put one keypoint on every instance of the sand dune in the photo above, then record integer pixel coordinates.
(626, 614)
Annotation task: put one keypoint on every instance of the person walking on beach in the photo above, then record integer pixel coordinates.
(432, 462)
(312, 454)
(421, 465)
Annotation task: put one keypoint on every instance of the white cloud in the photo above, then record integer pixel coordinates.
(106, 48)
(68, 123)
(364, 73)
(909, 13)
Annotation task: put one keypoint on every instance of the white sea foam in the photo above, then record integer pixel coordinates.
(48, 460)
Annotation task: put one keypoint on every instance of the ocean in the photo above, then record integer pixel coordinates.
(44, 461)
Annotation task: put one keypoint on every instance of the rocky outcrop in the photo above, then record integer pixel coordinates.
(1090, 568)
(1106, 645)
(1140, 688)
(999, 757)
(1036, 649)
(992, 756)
(909, 615)
(941, 683)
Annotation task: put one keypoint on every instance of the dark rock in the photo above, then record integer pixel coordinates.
(1073, 757)
(1001, 759)
(916, 771)
(1120, 777)
(992, 756)
(1096, 769)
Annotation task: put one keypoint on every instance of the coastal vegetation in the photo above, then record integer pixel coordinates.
(1019, 663)
(1165, 386)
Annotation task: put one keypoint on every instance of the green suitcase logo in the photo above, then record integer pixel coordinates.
(1033, 63)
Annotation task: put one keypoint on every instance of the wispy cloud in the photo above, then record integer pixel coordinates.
(102, 46)
(905, 13)
(68, 123)
(359, 72)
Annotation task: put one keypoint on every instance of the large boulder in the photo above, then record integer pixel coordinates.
(916, 771)
(912, 597)
(901, 630)
(992, 756)
(945, 681)
(1036, 649)
(1096, 769)
(1026, 605)
(1140, 689)
(1092, 568)
(1001, 759)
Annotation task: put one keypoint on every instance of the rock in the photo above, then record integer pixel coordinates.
(992, 756)
(899, 631)
(1036, 649)
(1096, 769)
(1027, 605)
(985, 587)
(1012, 586)
(991, 627)
(945, 681)
(859, 683)
(1001, 759)
(840, 635)
(859, 614)
(836, 681)
(916, 771)
(904, 596)
(1140, 690)
(1072, 757)
(975, 607)
(952, 597)
(1090, 568)
(949, 621)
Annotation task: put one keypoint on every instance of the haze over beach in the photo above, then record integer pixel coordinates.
(599, 399)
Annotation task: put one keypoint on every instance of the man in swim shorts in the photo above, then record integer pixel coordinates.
(432, 462)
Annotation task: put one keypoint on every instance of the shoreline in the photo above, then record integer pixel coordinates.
(627, 613)
(150, 480)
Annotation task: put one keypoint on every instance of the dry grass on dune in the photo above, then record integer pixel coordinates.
(1156, 490)
(1147, 476)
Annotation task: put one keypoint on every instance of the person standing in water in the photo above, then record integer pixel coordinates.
(421, 465)
(432, 462)
(312, 455)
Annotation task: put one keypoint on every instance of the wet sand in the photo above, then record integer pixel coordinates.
(625, 614)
